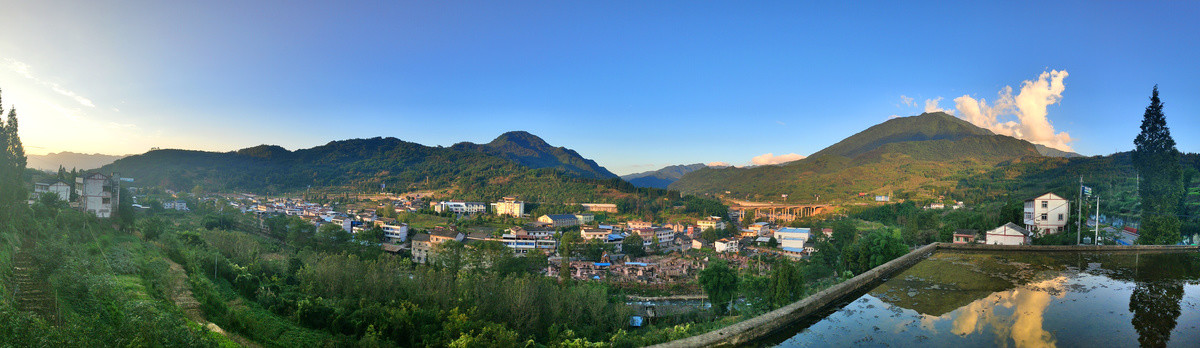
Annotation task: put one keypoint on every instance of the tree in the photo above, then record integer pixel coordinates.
(1161, 187)
(12, 162)
(787, 284)
(873, 250)
(720, 283)
(633, 246)
(373, 235)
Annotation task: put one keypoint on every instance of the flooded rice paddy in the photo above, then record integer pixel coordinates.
(1020, 299)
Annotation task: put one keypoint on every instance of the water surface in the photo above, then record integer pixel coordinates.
(1020, 299)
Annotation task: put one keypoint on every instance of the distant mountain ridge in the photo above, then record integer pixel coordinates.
(69, 160)
(662, 178)
(367, 164)
(531, 151)
(918, 156)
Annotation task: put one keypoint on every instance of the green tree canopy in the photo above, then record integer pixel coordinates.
(1161, 187)
(720, 283)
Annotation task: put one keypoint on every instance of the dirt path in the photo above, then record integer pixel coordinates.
(181, 294)
(32, 291)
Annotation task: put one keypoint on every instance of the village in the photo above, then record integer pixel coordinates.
(628, 251)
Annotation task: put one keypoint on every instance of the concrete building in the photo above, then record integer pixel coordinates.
(97, 194)
(421, 247)
(1046, 214)
(792, 238)
(711, 222)
(637, 224)
(459, 207)
(179, 205)
(509, 206)
(585, 218)
(726, 245)
(600, 207)
(594, 233)
(62, 189)
(1009, 234)
(395, 233)
(559, 220)
(965, 236)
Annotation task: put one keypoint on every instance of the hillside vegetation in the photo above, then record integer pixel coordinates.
(365, 165)
(919, 157)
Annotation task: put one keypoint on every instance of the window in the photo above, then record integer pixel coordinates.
(1044, 218)
(1060, 217)
(1045, 204)
(1028, 216)
(106, 201)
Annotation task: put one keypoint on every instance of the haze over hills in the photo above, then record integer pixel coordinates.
(914, 157)
(663, 177)
(69, 160)
(531, 151)
(468, 171)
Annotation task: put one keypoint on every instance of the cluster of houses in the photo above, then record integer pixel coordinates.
(96, 193)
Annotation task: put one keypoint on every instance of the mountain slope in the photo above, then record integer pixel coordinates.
(1052, 152)
(362, 165)
(913, 157)
(70, 160)
(663, 177)
(531, 151)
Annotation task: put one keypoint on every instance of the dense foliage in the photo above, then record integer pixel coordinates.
(912, 157)
(1161, 192)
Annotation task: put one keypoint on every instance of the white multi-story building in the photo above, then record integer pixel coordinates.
(395, 233)
(711, 222)
(509, 206)
(724, 245)
(1046, 214)
(792, 239)
(97, 194)
(460, 207)
(62, 189)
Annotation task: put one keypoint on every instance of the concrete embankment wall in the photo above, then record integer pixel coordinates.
(766, 324)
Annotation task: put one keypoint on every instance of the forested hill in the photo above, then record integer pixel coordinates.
(531, 151)
(363, 165)
(911, 157)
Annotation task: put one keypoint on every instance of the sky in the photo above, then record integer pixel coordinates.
(634, 85)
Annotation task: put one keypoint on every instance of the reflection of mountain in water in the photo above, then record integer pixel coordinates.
(1009, 293)
(950, 280)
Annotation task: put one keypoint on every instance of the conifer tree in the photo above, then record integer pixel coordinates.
(1161, 188)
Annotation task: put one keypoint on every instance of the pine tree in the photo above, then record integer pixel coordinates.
(1157, 161)
(12, 161)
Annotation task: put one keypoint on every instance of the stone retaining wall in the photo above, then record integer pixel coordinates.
(766, 324)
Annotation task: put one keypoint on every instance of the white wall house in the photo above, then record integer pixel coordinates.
(97, 194)
(726, 245)
(792, 239)
(62, 189)
(395, 233)
(1009, 234)
(1046, 214)
(460, 207)
(509, 206)
(712, 222)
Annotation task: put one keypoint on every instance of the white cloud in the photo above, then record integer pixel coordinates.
(908, 101)
(1028, 108)
(770, 158)
(24, 70)
(931, 105)
(718, 164)
(893, 116)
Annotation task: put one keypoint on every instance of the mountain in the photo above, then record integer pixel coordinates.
(531, 151)
(916, 157)
(1052, 152)
(69, 160)
(365, 165)
(663, 177)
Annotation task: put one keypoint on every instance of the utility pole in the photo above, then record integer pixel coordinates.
(1097, 220)
(1079, 217)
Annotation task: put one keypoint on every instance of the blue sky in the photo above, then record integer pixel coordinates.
(634, 85)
